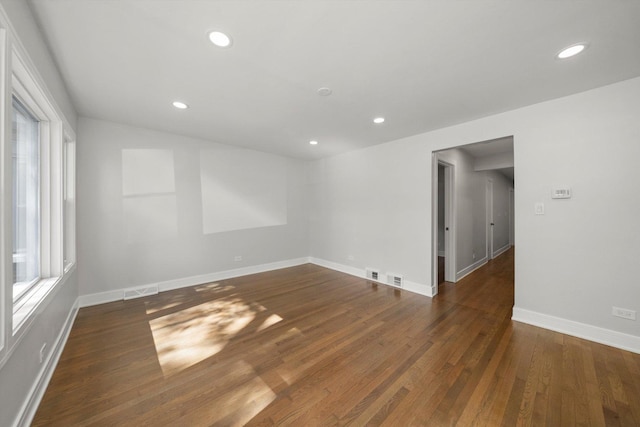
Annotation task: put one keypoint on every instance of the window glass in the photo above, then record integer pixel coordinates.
(26, 191)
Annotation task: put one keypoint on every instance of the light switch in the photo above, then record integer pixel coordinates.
(539, 208)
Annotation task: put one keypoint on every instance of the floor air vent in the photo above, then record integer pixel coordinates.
(140, 292)
(395, 280)
(373, 274)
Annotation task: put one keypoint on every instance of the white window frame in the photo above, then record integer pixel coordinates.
(26, 89)
(5, 202)
(69, 203)
(30, 206)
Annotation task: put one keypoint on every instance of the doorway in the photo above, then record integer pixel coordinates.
(444, 212)
(490, 223)
(472, 207)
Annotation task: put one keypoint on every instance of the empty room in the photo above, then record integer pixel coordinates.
(321, 212)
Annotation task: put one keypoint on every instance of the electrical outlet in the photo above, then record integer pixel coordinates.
(474, 256)
(237, 258)
(42, 349)
(624, 313)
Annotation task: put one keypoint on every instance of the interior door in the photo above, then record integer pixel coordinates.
(490, 223)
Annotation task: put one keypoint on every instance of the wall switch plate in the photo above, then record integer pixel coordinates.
(539, 208)
(624, 313)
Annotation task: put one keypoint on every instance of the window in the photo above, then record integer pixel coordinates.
(69, 168)
(39, 235)
(26, 198)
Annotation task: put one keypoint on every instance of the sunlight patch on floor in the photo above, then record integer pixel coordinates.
(240, 406)
(269, 321)
(156, 306)
(289, 375)
(214, 287)
(189, 336)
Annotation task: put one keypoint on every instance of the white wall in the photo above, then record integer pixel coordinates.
(31, 38)
(574, 263)
(154, 207)
(368, 204)
(20, 369)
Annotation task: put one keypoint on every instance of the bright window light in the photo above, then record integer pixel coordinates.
(26, 197)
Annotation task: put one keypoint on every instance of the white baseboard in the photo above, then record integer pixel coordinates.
(470, 269)
(577, 329)
(502, 250)
(101, 298)
(36, 392)
(417, 288)
(118, 294)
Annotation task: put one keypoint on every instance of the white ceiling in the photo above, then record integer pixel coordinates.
(421, 64)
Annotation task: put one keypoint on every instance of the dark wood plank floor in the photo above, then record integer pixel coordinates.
(308, 346)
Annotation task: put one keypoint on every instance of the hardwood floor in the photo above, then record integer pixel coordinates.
(308, 346)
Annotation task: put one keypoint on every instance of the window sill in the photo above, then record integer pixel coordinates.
(27, 304)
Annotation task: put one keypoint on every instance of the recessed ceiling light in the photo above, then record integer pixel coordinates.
(571, 51)
(180, 105)
(378, 120)
(220, 39)
(324, 91)
(314, 142)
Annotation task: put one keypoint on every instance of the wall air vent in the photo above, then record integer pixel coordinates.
(372, 274)
(140, 292)
(395, 280)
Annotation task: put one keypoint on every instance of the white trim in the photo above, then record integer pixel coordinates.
(28, 303)
(36, 392)
(353, 271)
(118, 294)
(451, 221)
(470, 269)
(417, 288)
(577, 329)
(100, 298)
(502, 250)
(450, 218)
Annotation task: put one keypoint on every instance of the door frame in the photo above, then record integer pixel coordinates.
(512, 240)
(449, 222)
(490, 222)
